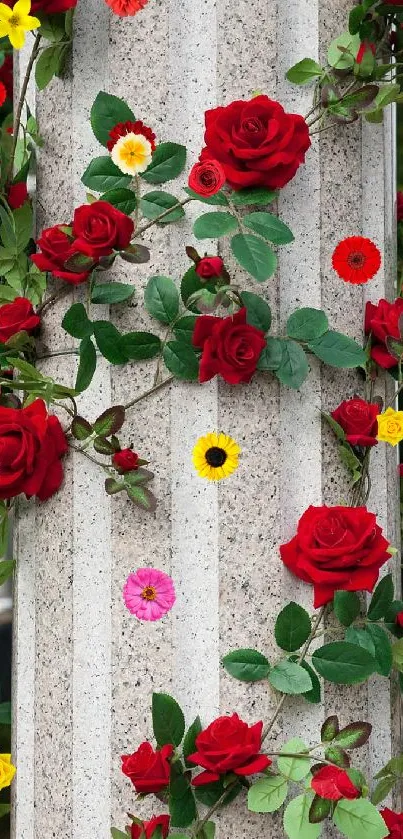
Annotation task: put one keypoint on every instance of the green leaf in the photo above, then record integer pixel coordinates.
(5, 713)
(247, 665)
(294, 367)
(307, 324)
(140, 345)
(81, 429)
(343, 59)
(270, 227)
(293, 627)
(184, 328)
(191, 283)
(267, 795)
(111, 293)
(48, 64)
(117, 834)
(294, 768)
(123, 199)
(355, 18)
(76, 322)
(106, 112)
(189, 741)
(383, 649)
(304, 71)
(312, 696)
(296, 819)
(397, 654)
(353, 736)
(87, 365)
(209, 794)
(383, 788)
(330, 729)
(350, 461)
(346, 606)
(338, 756)
(110, 421)
(289, 677)
(142, 497)
(108, 340)
(214, 225)
(168, 162)
(182, 805)
(272, 355)
(254, 255)
(359, 819)
(338, 350)
(5, 809)
(161, 299)
(258, 197)
(343, 663)
(52, 27)
(217, 200)
(7, 567)
(102, 175)
(154, 203)
(258, 312)
(135, 254)
(168, 720)
(319, 810)
(356, 635)
(181, 360)
(382, 598)
(23, 223)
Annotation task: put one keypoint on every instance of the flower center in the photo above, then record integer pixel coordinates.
(252, 125)
(216, 457)
(14, 20)
(393, 427)
(356, 259)
(149, 593)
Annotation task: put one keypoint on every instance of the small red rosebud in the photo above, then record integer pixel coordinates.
(401, 470)
(17, 195)
(207, 177)
(399, 619)
(125, 461)
(366, 45)
(209, 267)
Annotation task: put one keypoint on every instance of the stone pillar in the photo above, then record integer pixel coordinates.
(84, 669)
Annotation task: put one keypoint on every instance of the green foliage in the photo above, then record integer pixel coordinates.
(330, 729)
(259, 196)
(294, 367)
(181, 360)
(138, 346)
(123, 199)
(168, 720)
(247, 665)
(87, 365)
(168, 162)
(154, 203)
(5, 713)
(346, 605)
(258, 312)
(272, 355)
(293, 627)
(103, 175)
(161, 299)
(254, 255)
(110, 421)
(296, 819)
(182, 805)
(304, 71)
(268, 794)
(338, 350)
(382, 649)
(214, 225)
(353, 736)
(7, 566)
(49, 64)
(109, 343)
(381, 599)
(294, 768)
(189, 740)
(76, 322)
(343, 663)
(289, 677)
(111, 293)
(307, 324)
(270, 227)
(343, 50)
(106, 112)
(359, 819)
(184, 328)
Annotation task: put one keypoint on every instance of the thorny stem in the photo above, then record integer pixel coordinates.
(55, 354)
(88, 456)
(24, 88)
(162, 215)
(152, 389)
(52, 299)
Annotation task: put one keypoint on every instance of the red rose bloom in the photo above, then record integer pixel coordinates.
(148, 770)
(31, 445)
(6, 74)
(100, 228)
(3, 93)
(137, 127)
(126, 460)
(256, 142)
(231, 347)
(333, 783)
(393, 821)
(48, 7)
(56, 247)
(209, 266)
(382, 321)
(16, 317)
(123, 8)
(356, 260)
(147, 829)
(336, 548)
(17, 195)
(228, 745)
(358, 420)
(399, 619)
(207, 178)
(399, 206)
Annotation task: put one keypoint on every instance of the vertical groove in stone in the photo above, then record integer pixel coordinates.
(91, 505)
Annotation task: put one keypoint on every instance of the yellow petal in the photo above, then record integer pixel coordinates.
(29, 22)
(22, 7)
(5, 12)
(17, 38)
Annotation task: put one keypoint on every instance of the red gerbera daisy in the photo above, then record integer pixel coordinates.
(3, 93)
(124, 8)
(123, 128)
(356, 260)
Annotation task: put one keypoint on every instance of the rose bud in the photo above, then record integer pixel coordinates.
(125, 461)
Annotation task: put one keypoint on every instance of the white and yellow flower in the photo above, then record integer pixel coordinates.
(132, 153)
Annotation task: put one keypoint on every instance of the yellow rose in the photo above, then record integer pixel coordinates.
(7, 771)
(390, 426)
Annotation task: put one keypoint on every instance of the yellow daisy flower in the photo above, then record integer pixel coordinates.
(390, 426)
(132, 153)
(215, 456)
(7, 771)
(15, 22)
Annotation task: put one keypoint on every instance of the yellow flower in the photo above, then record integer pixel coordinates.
(215, 456)
(7, 771)
(132, 153)
(390, 426)
(15, 22)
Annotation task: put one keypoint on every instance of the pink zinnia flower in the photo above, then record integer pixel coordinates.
(149, 594)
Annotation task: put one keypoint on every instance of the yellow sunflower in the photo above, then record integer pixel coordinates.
(215, 456)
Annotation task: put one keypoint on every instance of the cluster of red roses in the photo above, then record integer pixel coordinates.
(97, 231)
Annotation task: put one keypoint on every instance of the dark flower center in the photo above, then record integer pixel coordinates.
(216, 457)
(356, 259)
(149, 593)
(252, 125)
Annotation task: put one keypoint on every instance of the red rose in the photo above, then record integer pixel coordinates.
(207, 177)
(231, 347)
(148, 770)
(100, 228)
(256, 142)
(31, 445)
(6, 75)
(393, 821)
(399, 206)
(17, 195)
(399, 619)
(147, 829)
(382, 321)
(228, 745)
(395, 2)
(17, 316)
(333, 783)
(48, 7)
(126, 460)
(122, 128)
(336, 548)
(358, 420)
(56, 247)
(209, 266)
